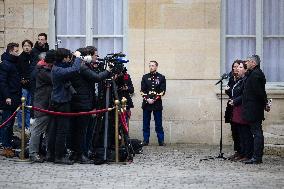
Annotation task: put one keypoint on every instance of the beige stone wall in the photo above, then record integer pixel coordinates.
(22, 19)
(184, 37)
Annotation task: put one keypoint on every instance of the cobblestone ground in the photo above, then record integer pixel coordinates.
(158, 167)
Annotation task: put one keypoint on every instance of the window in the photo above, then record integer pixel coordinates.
(254, 27)
(101, 23)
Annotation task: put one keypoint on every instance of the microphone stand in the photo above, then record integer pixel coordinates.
(221, 154)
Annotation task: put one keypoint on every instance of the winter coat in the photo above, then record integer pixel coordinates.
(83, 82)
(254, 97)
(37, 50)
(10, 81)
(61, 75)
(27, 66)
(43, 87)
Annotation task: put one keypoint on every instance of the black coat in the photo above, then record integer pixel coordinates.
(237, 91)
(27, 65)
(10, 86)
(43, 88)
(254, 97)
(125, 80)
(152, 86)
(37, 50)
(82, 82)
(231, 83)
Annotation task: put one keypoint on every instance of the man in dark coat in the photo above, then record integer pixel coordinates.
(10, 87)
(82, 101)
(153, 86)
(61, 73)
(42, 94)
(254, 101)
(41, 46)
(26, 68)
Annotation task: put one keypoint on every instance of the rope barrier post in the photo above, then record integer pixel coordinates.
(123, 109)
(22, 154)
(116, 102)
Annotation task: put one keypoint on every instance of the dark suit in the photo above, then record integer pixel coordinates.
(254, 100)
(153, 86)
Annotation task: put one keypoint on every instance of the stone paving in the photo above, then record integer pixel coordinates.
(176, 166)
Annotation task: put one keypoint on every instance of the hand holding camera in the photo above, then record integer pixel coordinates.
(77, 54)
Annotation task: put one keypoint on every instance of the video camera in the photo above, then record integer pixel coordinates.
(115, 61)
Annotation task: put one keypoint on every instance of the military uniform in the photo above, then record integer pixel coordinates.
(153, 86)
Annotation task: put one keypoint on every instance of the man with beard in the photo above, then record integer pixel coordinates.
(41, 46)
(10, 87)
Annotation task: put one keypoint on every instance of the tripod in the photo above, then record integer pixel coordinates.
(221, 154)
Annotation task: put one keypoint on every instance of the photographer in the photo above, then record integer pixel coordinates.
(42, 94)
(82, 100)
(61, 73)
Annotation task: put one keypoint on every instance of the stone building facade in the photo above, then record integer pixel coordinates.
(184, 36)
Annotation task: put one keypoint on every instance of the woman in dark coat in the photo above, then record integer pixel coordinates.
(245, 135)
(228, 91)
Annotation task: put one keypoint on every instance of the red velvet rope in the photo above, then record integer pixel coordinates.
(123, 121)
(11, 117)
(70, 113)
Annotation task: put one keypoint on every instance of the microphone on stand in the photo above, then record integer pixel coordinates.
(224, 76)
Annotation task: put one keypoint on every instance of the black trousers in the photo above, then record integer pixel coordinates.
(58, 130)
(246, 140)
(258, 139)
(79, 126)
(236, 137)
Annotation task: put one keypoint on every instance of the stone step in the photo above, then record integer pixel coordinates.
(270, 138)
(272, 149)
(275, 129)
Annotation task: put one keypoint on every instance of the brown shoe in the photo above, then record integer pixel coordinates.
(243, 159)
(232, 157)
(237, 158)
(8, 153)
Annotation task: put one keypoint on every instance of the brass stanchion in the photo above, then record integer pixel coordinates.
(116, 132)
(22, 154)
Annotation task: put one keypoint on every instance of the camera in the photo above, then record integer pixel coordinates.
(115, 61)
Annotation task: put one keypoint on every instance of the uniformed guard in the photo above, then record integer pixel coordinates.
(153, 87)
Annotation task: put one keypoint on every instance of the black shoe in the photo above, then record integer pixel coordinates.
(84, 160)
(49, 157)
(162, 144)
(36, 159)
(253, 161)
(74, 156)
(63, 160)
(145, 143)
(99, 161)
